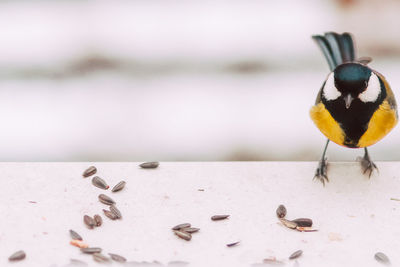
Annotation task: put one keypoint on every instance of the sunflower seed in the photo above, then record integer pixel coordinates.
(381, 257)
(110, 214)
(98, 220)
(183, 235)
(303, 222)
(100, 183)
(89, 171)
(117, 258)
(180, 226)
(281, 211)
(106, 199)
(91, 250)
(306, 229)
(190, 230)
(74, 235)
(76, 262)
(232, 244)
(295, 254)
(219, 217)
(288, 224)
(17, 256)
(116, 211)
(100, 257)
(118, 186)
(89, 221)
(149, 165)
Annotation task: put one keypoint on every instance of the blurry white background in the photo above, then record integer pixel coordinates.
(178, 80)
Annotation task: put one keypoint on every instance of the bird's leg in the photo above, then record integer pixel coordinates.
(366, 163)
(321, 172)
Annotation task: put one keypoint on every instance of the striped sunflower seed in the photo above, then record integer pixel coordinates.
(183, 235)
(110, 214)
(190, 230)
(303, 222)
(106, 199)
(98, 220)
(381, 257)
(116, 211)
(232, 244)
(295, 254)
(100, 183)
(89, 171)
(17, 256)
(180, 226)
(74, 235)
(91, 250)
(219, 217)
(281, 211)
(119, 186)
(117, 257)
(288, 224)
(149, 165)
(100, 257)
(89, 221)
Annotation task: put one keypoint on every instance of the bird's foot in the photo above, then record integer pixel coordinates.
(321, 172)
(367, 165)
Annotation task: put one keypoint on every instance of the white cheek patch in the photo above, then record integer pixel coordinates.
(373, 90)
(330, 91)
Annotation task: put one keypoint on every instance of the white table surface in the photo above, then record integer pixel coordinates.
(355, 215)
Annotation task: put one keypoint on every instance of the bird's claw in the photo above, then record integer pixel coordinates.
(321, 172)
(367, 165)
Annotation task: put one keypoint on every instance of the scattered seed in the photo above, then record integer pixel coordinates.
(219, 217)
(100, 257)
(100, 183)
(89, 171)
(183, 235)
(117, 258)
(106, 199)
(98, 220)
(78, 243)
(116, 211)
(288, 224)
(281, 211)
(17, 256)
(381, 257)
(303, 222)
(119, 186)
(190, 230)
(91, 250)
(178, 263)
(76, 262)
(74, 235)
(149, 165)
(232, 244)
(180, 226)
(305, 229)
(110, 214)
(89, 221)
(295, 254)
(273, 260)
(395, 199)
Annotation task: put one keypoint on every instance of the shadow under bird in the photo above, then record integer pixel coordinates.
(355, 107)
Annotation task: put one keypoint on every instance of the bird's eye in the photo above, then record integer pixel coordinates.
(373, 90)
(330, 91)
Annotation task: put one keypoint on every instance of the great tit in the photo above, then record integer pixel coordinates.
(355, 106)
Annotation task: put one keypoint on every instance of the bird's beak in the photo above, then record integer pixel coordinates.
(348, 99)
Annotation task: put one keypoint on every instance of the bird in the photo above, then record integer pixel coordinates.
(355, 107)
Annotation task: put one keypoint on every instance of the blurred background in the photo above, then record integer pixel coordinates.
(179, 80)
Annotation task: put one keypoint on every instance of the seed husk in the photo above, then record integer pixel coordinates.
(116, 211)
(183, 235)
(100, 257)
(149, 165)
(273, 260)
(180, 226)
(76, 262)
(106, 199)
(281, 211)
(89, 171)
(303, 222)
(219, 217)
(381, 257)
(74, 235)
(306, 229)
(110, 214)
(288, 224)
(100, 183)
(98, 220)
(178, 263)
(91, 250)
(232, 244)
(295, 254)
(190, 230)
(79, 243)
(119, 186)
(117, 257)
(17, 256)
(89, 221)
